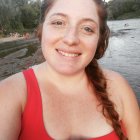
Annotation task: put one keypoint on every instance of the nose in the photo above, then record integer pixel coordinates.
(71, 37)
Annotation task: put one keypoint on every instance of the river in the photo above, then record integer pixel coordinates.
(122, 55)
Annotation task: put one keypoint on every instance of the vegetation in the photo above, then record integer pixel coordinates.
(18, 16)
(123, 9)
(23, 15)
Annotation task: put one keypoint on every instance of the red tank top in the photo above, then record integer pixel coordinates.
(32, 126)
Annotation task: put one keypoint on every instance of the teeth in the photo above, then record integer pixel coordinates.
(68, 54)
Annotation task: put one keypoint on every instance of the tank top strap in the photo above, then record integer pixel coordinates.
(32, 121)
(33, 92)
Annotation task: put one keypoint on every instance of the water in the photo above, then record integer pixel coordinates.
(123, 54)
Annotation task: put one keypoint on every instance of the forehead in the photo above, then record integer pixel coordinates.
(77, 9)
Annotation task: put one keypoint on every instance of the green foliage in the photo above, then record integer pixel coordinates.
(23, 15)
(18, 15)
(130, 15)
(30, 15)
(121, 8)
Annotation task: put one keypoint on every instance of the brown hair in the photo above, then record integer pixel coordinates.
(93, 71)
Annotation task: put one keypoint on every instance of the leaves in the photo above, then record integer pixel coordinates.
(17, 15)
(117, 8)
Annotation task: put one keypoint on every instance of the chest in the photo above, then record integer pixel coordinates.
(72, 116)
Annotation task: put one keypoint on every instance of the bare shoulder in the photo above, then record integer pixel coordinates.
(15, 78)
(123, 95)
(14, 87)
(12, 97)
(118, 85)
(113, 75)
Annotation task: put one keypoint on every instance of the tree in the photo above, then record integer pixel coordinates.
(30, 15)
(15, 15)
(117, 8)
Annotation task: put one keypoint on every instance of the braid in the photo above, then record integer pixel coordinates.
(98, 81)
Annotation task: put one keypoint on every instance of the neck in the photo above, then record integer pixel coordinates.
(66, 80)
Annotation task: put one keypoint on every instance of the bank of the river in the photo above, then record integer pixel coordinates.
(10, 39)
(14, 42)
(130, 15)
(9, 45)
(17, 54)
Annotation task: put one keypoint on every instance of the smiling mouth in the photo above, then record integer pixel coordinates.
(68, 54)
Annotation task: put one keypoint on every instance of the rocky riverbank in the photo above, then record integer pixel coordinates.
(18, 54)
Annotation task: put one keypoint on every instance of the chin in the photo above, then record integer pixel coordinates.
(69, 72)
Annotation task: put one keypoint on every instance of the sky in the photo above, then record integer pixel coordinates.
(107, 0)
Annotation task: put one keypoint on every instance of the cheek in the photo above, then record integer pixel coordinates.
(92, 43)
(51, 34)
(91, 47)
(47, 37)
(46, 42)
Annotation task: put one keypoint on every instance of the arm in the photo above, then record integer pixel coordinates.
(11, 107)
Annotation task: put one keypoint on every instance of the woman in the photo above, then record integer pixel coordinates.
(69, 96)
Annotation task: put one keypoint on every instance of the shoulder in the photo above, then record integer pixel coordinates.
(14, 82)
(14, 88)
(118, 86)
(112, 75)
(116, 82)
(12, 99)
(123, 95)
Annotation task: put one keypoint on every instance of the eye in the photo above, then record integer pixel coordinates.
(87, 30)
(58, 23)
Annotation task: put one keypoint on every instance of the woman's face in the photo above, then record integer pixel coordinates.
(70, 35)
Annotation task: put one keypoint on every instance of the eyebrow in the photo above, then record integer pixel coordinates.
(85, 19)
(89, 20)
(58, 14)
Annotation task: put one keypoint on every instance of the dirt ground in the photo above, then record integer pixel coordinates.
(8, 39)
